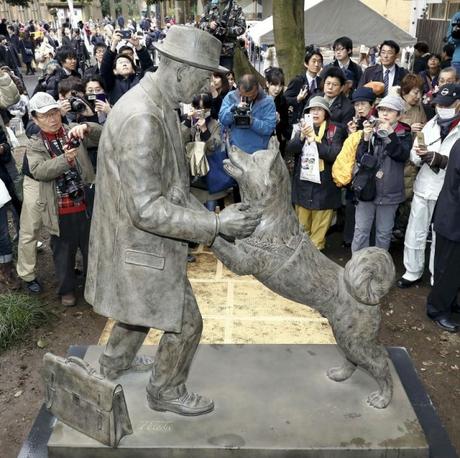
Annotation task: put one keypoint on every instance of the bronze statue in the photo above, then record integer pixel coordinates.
(143, 217)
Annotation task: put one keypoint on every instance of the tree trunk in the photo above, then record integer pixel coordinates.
(179, 11)
(288, 29)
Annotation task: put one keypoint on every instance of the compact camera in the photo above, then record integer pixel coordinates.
(72, 143)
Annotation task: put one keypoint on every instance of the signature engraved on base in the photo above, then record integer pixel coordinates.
(156, 426)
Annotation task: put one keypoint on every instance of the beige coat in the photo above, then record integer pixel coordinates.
(46, 169)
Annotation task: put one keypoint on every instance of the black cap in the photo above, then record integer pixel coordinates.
(447, 94)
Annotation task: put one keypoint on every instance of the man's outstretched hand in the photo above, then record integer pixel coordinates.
(239, 220)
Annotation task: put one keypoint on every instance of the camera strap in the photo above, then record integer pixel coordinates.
(54, 143)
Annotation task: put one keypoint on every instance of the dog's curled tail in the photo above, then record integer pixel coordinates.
(369, 275)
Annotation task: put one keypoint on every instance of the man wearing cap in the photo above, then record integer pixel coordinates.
(440, 133)
(143, 217)
(62, 170)
(380, 157)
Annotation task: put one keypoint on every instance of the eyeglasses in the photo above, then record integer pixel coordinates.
(387, 53)
(48, 115)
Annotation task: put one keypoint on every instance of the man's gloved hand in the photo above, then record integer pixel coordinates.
(239, 220)
(439, 161)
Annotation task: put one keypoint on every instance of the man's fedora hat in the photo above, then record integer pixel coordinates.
(192, 46)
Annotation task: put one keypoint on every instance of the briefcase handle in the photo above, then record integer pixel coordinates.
(83, 364)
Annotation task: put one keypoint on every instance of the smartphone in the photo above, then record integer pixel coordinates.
(308, 119)
(420, 140)
(101, 97)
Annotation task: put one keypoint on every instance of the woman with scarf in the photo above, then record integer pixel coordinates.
(315, 202)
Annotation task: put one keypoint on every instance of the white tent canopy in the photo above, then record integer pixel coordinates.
(329, 19)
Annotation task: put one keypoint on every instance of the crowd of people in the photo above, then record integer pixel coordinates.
(373, 149)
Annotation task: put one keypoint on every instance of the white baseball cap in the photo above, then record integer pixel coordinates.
(42, 102)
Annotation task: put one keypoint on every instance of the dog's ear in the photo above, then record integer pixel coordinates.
(273, 151)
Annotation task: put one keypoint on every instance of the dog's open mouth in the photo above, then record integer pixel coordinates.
(232, 169)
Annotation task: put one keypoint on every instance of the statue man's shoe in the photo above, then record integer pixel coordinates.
(141, 363)
(188, 404)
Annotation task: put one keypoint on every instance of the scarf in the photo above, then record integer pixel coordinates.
(318, 139)
(446, 125)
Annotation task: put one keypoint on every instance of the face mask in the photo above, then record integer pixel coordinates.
(445, 113)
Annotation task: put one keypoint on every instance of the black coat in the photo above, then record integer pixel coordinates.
(447, 212)
(353, 68)
(375, 73)
(316, 196)
(342, 111)
(292, 92)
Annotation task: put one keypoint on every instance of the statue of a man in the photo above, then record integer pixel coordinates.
(143, 217)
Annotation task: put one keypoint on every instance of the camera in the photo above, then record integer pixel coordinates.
(72, 143)
(68, 183)
(77, 105)
(242, 114)
(125, 34)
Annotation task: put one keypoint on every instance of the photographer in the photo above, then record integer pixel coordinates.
(119, 72)
(379, 180)
(225, 20)
(315, 202)
(249, 114)
(61, 164)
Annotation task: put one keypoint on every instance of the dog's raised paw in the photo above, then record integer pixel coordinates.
(378, 400)
(341, 373)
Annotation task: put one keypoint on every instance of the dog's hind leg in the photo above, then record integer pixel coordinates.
(373, 358)
(342, 372)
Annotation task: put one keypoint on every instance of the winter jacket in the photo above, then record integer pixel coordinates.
(342, 111)
(51, 82)
(9, 94)
(316, 196)
(428, 184)
(116, 86)
(455, 41)
(391, 158)
(355, 70)
(342, 169)
(45, 170)
(263, 122)
(27, 50)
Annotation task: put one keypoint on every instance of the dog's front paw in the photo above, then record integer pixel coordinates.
(378, 400)
(341, 373)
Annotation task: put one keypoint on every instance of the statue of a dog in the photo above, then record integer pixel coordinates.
(280, 255)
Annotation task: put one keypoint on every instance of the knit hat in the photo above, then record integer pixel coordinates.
(392, 102)
(363, 94)
(320, 102)
(42, 102)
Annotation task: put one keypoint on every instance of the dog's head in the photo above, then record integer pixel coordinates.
(261, 176)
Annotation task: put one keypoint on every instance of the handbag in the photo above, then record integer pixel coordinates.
(218, 179)
(84, 400)
(364, 181)
(196, 155)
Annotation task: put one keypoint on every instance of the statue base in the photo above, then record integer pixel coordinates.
(275, 398)
(270, 401)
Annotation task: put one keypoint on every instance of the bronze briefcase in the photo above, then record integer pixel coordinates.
(83, 399)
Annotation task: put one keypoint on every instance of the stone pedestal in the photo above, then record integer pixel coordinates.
(271, 401)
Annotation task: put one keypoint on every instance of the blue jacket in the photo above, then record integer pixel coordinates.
(263, 123)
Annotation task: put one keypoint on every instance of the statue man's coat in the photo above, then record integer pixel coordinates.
(143, 214)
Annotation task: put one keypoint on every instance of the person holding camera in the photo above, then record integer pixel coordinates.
(58, 160)
(314, 201)
(249, 114)
(225, 20)
(430, 153)
(118, 71)
(378, 182)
